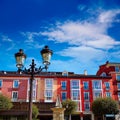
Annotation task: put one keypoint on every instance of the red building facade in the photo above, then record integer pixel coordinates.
(81, 88)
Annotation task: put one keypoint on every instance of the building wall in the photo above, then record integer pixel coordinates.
(7, 88)
(40, 87)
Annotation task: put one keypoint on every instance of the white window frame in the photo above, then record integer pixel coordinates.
(86, 93)
(103, 74)
(118, 86)
(87, 103)
(78, 105)
(14, 83)
(14, 99)
(73, 86)
(99, 85)
(65, 73)
(75, 89)
(85, 86)
(97, 92)
(34, 90)
(119, 96)
(107, 85)
(117, 68)
(64, 87)
(118, 77)
(51, 82)
(108, 94)
(48, 93)
(65, 95)
(48, 88)
(75, 94)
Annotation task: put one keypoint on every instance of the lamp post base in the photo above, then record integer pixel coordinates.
(58, 113)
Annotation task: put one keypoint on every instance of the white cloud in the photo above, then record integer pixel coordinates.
(7, 41)
(31, 39)
(29, 36)
(6, 38)
(93, 34)
(81, 7)
(83, 53)
(108, 16)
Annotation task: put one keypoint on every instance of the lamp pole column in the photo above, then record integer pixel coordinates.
(31, 91)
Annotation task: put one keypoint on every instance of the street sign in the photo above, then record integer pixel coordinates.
(109, 115)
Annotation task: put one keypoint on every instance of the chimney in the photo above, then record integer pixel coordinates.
(85, 72)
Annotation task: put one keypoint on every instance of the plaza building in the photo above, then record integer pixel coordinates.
(81, 88)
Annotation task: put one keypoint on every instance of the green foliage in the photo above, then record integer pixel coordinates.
(5, 103)
(102, 106)
(35, 111)
(70, 106)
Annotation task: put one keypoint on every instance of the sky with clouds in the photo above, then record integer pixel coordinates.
(83, 34)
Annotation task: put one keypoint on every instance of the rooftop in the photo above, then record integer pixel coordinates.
(50, 74)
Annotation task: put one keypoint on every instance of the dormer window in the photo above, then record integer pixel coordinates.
(103, 74)
(65, 73)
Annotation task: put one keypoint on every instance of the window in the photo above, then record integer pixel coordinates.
(107, 85)
(118, 77)
(87, 106)
(64, 95)
(103, 74)
(97, 84)
(118, 85)
(75, 94)
(119, 96)
(85, 85)
(48, 90)
(86, 95)
(15, 83)
(63, 85)
(97, 94)
(108, 94)
(75, 84)
(14, 96)
(117, 69)
(34, 89)
(48, 94)
(48, 83)
(75, 89)
(1, 83)
(78, 105)
(65, 73)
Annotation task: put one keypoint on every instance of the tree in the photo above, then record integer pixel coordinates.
(70, 107)
(102, 106)
(5, 103)
(35, 112)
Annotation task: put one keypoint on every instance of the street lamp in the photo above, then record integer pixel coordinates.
(20, 57)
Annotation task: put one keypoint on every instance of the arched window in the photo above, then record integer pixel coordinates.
(103, 74)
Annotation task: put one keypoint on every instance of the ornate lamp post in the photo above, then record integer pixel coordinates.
(20, 57)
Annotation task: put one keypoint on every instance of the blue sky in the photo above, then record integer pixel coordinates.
(83, 34)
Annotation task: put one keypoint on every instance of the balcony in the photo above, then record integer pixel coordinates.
(21, 108)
